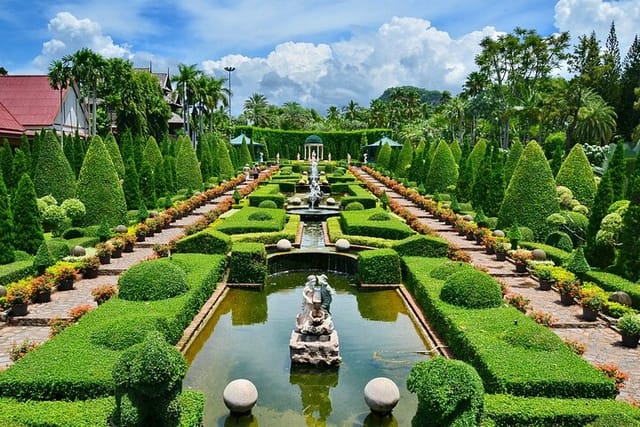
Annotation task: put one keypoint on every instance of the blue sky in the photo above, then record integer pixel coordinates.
(315, 53)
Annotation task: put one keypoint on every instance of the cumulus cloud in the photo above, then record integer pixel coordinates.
(584, 16)
(70, 34)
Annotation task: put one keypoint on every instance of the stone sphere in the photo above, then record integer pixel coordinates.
(619, 297)
(342, 245)
(153, 214)
(3, 291)
(539, 255)
(240, 396)
(283, 245)
(381, 395)
(331, 201)
(467, 218)
(295, 201)
(121, 229)
(78, 251)
(498, 233)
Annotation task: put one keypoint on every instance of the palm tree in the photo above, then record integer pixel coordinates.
(186, 81)
(87, 69)
(352, 110)
(255, 109)
(596, 121)
(59, 76)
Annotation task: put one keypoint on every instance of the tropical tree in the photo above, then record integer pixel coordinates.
(595, 121)
(256, 111)
(59, 78)
(186, 85)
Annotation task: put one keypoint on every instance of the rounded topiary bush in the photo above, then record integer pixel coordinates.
(119, 334)
(152, 280)
(449, 268)
(260, 216)
(471, 289)
(268, 204)
(529, 336)
(354, 206)
(73, 233)
(560, 240)
(379, 216)
(450, 393)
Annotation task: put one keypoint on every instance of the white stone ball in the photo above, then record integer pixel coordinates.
(3, 291)
(283, 245)
(331, 201)
(121, 229)
(342, 245)
(240, 396)
(381, 395)
(78, 251)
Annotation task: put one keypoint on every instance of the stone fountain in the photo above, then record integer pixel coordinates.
(315, 193)
(314, 341)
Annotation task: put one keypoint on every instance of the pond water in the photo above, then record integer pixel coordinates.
(248, 337)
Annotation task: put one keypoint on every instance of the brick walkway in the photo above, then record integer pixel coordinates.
(602, 342)
(34, 327)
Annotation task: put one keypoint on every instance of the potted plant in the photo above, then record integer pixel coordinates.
(568, 288)
(89, 267)
(18, 297)
(489, 242)
(520, 257)
(142, 231)
(629, 326)
(591, 298)
(103, 250)
(129, 242)
(103, 293)
(63, 275)
(460, 226)
(470, 230)
(500, 247)
(545, 280)
(41, 288)
(117, 243)
(514, 235)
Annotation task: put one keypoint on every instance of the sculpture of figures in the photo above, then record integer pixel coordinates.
(315, 317)
(261, 157)
(348, 158)
(365, 157)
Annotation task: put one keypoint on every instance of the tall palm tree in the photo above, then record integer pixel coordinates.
(351, 110)
(255, 109)
(596, 120)
(87, 69)
(186, 81)
(59, 76)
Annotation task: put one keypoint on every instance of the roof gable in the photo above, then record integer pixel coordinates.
(30, 99)
(8, 123)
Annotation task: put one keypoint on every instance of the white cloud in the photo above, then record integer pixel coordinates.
(70, 34)
(584, 16)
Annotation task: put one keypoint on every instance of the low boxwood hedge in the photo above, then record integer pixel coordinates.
(267, 192)
(152, 280)
(16, 270)
(613, 283)
(558, 256)
(422, 245)
(379, 266)
(358, 194)
(248, 263)
(207, 241)
(366, 223)
(489, 340)
(289, 232)
(507, 411)
(335, 232)
(246, 220)
(74, 366)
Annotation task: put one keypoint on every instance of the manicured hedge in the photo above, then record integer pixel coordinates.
(242, 222)
(422, 245)
(289, 232)
(363, 223)
(471, 289)
(507, 411)
(379, 266)
(74, 366)
(287, 187)
(16, 270)
(335, 232)
(248, 263)
(267, 192)
(558, 256)
(152, 280)
(347, 178)
(613, 283)
(208, 241)
(358, 194)
(511, 352)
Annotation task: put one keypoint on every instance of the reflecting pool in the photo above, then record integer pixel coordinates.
(248, 337)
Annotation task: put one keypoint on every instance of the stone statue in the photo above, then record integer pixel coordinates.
(348, 158)
(298, 157)
(315, 317)
(365, 157)
(278, 158)
(261, 157)
(329, 157)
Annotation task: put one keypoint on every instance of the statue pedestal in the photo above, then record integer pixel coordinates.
(315, 349)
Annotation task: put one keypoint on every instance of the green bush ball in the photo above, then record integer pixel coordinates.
(268, 204)
(354, 206)
(152, 280)
(261, 215)
(471, 289)
(379, 216)
(445, 270)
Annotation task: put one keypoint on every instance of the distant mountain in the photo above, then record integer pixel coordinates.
(431, 97)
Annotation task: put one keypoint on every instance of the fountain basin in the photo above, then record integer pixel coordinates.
(315, 214)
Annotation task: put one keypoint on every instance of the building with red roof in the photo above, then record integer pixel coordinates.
(29, 104)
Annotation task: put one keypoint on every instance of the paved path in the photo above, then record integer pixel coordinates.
(34, 327)
(602, 343)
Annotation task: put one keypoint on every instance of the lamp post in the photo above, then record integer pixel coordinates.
(229, 70)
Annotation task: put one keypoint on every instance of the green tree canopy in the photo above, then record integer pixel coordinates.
(27, 225)
(53, 174)
(443, 171)
(577, 175)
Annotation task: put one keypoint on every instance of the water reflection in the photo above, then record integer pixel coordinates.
(315, 384)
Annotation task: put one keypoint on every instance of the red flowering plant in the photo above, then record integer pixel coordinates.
(543, 318)
(518, 301)
(568, 286)
(103, 293)
(613, 371)
(78, 311)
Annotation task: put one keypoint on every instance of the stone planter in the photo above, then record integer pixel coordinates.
(545, 284)
(19, 309)
(65, 285)
(589, 315)
(566, 299)
(630, 341)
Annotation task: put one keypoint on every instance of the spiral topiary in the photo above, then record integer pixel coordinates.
(152, 280)
(471, 289)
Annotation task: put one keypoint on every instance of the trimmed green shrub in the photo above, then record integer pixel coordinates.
(354, 206)
(242, 222)
(422, 245)
(531, 195)
(151, 153)
(450, 393)
(268, 204)
(148, 379)
(560, 240)
(512, 159)
(79, 413)
(449, 268)
(16, 270)
(74, 209)
(359, 223)
(208, 241)
(248, 263)
(443, 171)
(43, 259)
(114, 154)
(379, 266)
(118, 335)
(576, 174)
(475, 157)
(612, 283)
(152, 280)
(379, 216)
(58, 248)
(628, 258)
(6, 227)
(577, 263)
(99, 187)
(558, 256)
(188, 174)
(359, 194)
(471, 289)
(131, 185)
(383, 156)
(404, 159)
(53, 174)
(72, 233)
(27, 225)
(267, 192)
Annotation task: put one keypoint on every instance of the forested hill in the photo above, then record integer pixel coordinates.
(431, 97)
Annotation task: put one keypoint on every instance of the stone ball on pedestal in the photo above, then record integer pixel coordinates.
(498, 233)
(331, 201)
(3, 291)
(539, 255)
(78, 251)
(240, 396)
(295, 201)
(381, 395)
(283, 245)
(342, 245)
(121, 229)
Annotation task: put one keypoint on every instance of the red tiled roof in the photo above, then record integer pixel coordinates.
(30, 99)
(8, 123)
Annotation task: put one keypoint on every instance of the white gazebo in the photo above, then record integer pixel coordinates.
(313, 144)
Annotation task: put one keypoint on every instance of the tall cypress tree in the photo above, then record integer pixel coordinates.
(20, 166)
(226, 166)
(6, 161)
(27, 225)
(465, 177)
(383, 159)
(131, 184)
(404, 159)
(114, 152)
(601, 203)
(609, 88)
(25, 146)
(188, 175)
(69, 151)
(170, 173)
(443, 171)
(7, 250)
(628, 257)
(152, 153)
(616, 170)
(482, 183)
(495, 195)
(147, 184)
(512, 159)
(53, 174)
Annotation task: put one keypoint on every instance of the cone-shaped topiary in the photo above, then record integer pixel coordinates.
(147, 184)
(99, 187)
(27, 225)
(226, 166)
(152, 154)
(383, 158)
(114, 152)
(512, 159)
(20, 166)
(603, 199)
(495, 194)
(443, 171)
(531, 195)
(456, 151)
(6, 162)
(7, 250)
(53, 174)
(170, 173)
(131, 185)
(628, 260)
(476, 156)
(404, 159)
(577, 263)
(244, 157)
(465, 178)
(43, 259)
(617, 170)
(188, 175)
(204, 156)
(577, 175)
